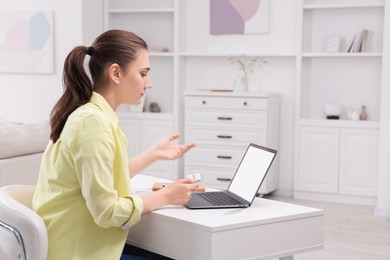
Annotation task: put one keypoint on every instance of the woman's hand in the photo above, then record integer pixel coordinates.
(162, 150)
(176, 193)
(166, 150)
(180, 191)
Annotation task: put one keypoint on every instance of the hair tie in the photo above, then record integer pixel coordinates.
(90, 51)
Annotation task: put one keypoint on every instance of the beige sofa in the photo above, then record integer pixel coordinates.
(21, 150)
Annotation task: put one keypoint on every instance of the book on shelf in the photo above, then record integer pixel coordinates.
(358, 41)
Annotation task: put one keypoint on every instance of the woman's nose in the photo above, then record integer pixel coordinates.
(148, 83)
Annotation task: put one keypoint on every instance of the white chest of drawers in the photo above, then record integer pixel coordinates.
(222, 125)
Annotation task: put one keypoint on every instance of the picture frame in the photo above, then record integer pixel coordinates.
(239, 17)
(333, 44)
(26, 41)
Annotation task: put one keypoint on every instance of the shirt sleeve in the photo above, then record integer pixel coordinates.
(99, 164)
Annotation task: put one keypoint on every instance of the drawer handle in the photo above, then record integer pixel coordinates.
(245, 103)
(204, 102)
(224, 118)
(224, 136)
(224, 157)
(223, 179)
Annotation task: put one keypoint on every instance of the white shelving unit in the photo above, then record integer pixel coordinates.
(156, 21)
(323, 171)
(142, 18)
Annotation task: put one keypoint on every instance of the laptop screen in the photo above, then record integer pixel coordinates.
(251, 171)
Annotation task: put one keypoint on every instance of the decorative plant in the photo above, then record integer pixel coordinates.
(246, 69)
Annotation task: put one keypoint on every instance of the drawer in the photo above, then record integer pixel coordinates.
(223, 155)
(226, 136)
(245, 103)
(218, 178)
(194, 116)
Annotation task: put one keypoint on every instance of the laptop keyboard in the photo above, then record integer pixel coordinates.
(219, 198)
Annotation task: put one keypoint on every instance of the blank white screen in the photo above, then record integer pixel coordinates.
(251, 172)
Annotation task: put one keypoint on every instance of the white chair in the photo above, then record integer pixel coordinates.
(23, 233)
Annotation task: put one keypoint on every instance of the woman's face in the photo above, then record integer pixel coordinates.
(135, 80)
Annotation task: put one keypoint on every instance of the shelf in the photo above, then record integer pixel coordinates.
(342, 55)
(339, 123)
(144, 24)
(161, 54)
(268, 55)
(339, 6)
(231, 94)
(144, 10)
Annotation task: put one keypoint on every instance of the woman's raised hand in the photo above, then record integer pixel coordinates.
(166, 150)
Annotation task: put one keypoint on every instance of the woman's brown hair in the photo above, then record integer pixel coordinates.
(113, 46)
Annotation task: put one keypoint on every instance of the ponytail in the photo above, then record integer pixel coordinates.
(78, 91)
(113, 46)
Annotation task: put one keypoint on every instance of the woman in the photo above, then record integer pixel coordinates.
(83, 192)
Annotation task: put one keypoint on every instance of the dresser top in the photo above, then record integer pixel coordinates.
(215, 93)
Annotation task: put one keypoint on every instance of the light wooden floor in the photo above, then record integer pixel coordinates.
(351, 232)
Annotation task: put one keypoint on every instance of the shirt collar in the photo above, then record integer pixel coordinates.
(102, 103)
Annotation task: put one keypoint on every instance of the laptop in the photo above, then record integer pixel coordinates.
(243, 188)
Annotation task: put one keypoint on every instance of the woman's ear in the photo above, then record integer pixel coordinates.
(114, 73)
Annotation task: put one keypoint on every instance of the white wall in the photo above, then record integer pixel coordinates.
(30, 97)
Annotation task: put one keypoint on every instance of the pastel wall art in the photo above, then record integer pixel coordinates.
(239, 16)
(26, 42)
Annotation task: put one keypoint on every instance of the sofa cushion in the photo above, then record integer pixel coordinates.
(20, 139)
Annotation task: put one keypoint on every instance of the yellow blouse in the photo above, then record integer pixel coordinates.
(83, 189)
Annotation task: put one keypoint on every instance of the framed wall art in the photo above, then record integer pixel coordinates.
(239, 16)
(26, 42)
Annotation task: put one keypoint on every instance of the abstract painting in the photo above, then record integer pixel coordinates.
(239, 16)
(26, 42)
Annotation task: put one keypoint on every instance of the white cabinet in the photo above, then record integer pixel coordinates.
(223, 125)
(358, 161)
(337, 164)
(141, 134)
(318, 159)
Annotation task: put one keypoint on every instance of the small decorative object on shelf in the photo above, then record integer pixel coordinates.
(246, 69)
(333, 44)
(349, 113)
(332, 111)
(354, 115)
(154, 107)
(363, 113)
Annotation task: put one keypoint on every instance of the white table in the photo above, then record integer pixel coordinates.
(268, 229)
